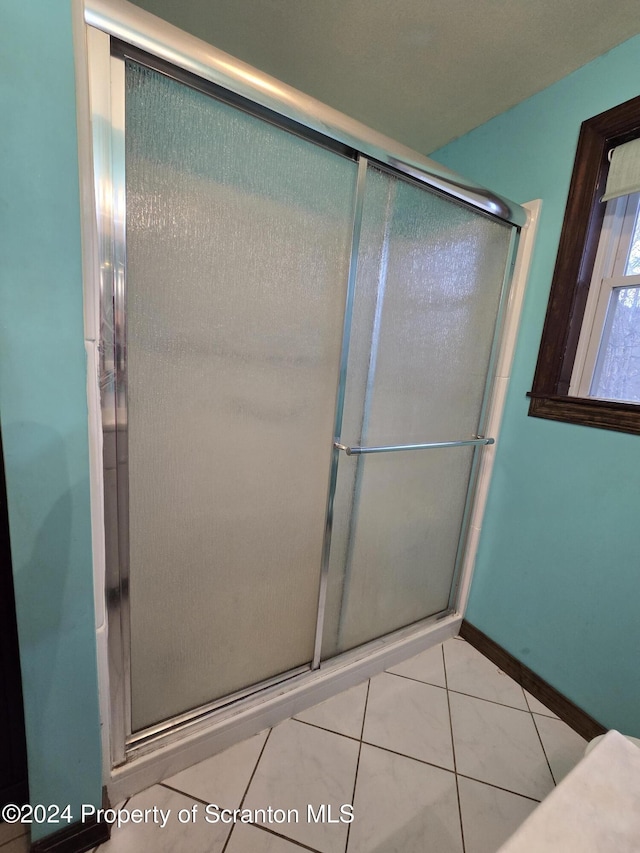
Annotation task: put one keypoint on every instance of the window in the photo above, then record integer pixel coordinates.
(588, 369)
(607, 364)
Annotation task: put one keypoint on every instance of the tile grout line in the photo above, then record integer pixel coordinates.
(544, 751)
(445, 769)
(535, 725)
(552, 716)
(325, 729)
(264, 746)
(246, 790)
(462, 693)
(355, 778)
(123, 806)
(299, 844)
(491, 701)
(449, 770)
(255, 825)
(527, 711)
(498, 787)
(399, 754)
(527, 701)
(550, 713)
(364, 715)
(412, 678)
(409, 757)
(183, 793)
(453, 749)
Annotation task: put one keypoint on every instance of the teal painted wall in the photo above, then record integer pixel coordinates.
(557, 580)
(43, 406)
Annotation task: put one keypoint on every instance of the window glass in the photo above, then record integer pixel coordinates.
(633, 259)
(617, 373)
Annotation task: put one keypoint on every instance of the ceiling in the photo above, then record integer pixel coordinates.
(422, 71)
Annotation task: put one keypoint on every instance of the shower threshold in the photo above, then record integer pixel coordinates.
(176, 744)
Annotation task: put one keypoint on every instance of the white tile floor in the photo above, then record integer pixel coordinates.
(442, 753)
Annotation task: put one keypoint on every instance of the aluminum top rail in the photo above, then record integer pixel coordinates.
(147, 32)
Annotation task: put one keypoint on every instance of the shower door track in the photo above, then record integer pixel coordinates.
(297, 683)
(107, 19)
(207, 712)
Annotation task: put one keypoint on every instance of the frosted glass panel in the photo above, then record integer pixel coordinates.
(237, 260)
(404, 539)
(441, 269)
(617, 372)
(430, 274)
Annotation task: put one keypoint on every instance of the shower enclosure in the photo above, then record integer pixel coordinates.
(298, 334)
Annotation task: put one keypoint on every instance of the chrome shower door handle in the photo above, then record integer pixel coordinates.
(392, 448)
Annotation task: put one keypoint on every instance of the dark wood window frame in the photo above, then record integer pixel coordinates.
(572, 275)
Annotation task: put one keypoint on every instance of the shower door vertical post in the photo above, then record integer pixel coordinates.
(484, 413)
(342, 381)
(121, 367)
(381, 286)
(106, 79)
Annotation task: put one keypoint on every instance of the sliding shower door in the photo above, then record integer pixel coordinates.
(237, 254)
(428, 293)
(296, 346)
